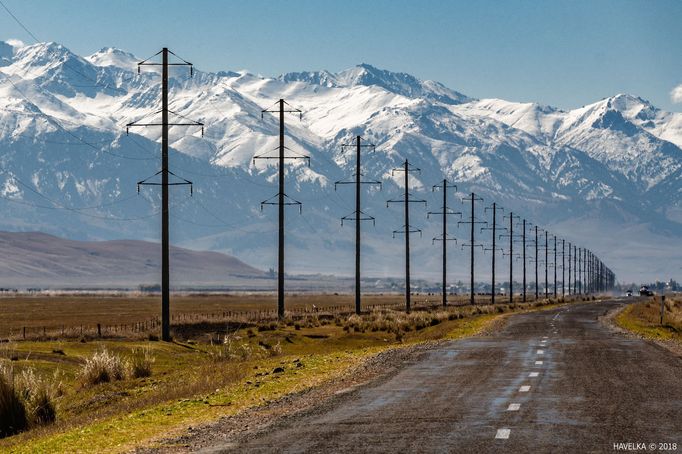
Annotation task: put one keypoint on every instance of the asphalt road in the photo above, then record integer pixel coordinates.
(550, 381)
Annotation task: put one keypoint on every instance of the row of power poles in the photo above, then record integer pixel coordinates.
(586, 273)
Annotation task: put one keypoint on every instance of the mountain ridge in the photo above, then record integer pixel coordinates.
(550, 165)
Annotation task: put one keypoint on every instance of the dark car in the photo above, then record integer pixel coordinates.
(644, 291)
(628, 293)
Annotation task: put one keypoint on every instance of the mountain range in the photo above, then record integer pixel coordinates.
(605, 176)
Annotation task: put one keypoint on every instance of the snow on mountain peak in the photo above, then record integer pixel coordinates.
(547, 163)
(367, 75)
(111, 56)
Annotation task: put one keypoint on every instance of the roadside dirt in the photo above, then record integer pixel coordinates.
(609, 320)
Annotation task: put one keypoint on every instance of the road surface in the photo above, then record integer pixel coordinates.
(549, 381)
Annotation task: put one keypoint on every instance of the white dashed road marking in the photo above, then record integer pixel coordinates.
(503, 434)
(533, 374)
(524, 389)
(538, 363)
(514, 407)
(541, 352)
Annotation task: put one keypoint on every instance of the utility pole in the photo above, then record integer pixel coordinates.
(445, 211)
(358, 215)
(570, 248)
(546, 266)
(511, 255)
(555, 266)
(165, 172)
(407, 227)
(472, 241)
(536, 263)
(585, 271)
(525, 285)
(563, 267)
(580, 275)
(283, 199)
(494, 209)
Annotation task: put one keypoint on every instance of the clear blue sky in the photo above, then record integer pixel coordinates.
(562, 53)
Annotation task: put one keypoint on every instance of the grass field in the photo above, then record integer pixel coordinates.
(645, 318)
(214, 370)
(72, 315)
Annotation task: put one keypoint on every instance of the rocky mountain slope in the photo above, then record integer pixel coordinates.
(605, 176)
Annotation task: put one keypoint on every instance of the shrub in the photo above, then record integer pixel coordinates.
(276, 349)
(141, 364)
(13, 417)
(39, 397)
(103, 367)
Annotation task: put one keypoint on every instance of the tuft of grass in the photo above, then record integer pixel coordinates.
(26, 400)
(103, 367)
(141, 363)
(13, 416)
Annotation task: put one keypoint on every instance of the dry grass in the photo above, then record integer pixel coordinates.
(399, 323)
(645, 318)
(13, 416)
(73, 316)
(141, 363)
(103, 367)
(26, 400)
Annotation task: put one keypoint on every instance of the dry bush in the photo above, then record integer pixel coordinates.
(231, 349)
(141, 364)
(13, 415)
(39, 396)
(26, 400)
(103, 367)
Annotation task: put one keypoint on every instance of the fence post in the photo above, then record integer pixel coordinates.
(24, 332)
(662, 308)
(99, 330)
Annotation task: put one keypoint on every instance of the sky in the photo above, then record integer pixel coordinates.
(560, 53)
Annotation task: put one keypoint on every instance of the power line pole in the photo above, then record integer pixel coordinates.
(165, 172)
(511, 254)
(555, 266)
(282, 198)
(546, 266)
(580, 275)
(358, 215)
(570, 248)
(524, 261)
(563, 267)
(407, 227)
(472, 242)
(585, 271)
(494, 209)
(537, 292)
(445, 211)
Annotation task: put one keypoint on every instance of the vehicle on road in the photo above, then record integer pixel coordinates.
(628, 293)
(644, 291)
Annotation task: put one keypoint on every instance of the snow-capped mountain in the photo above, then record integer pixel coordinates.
(605, 176)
